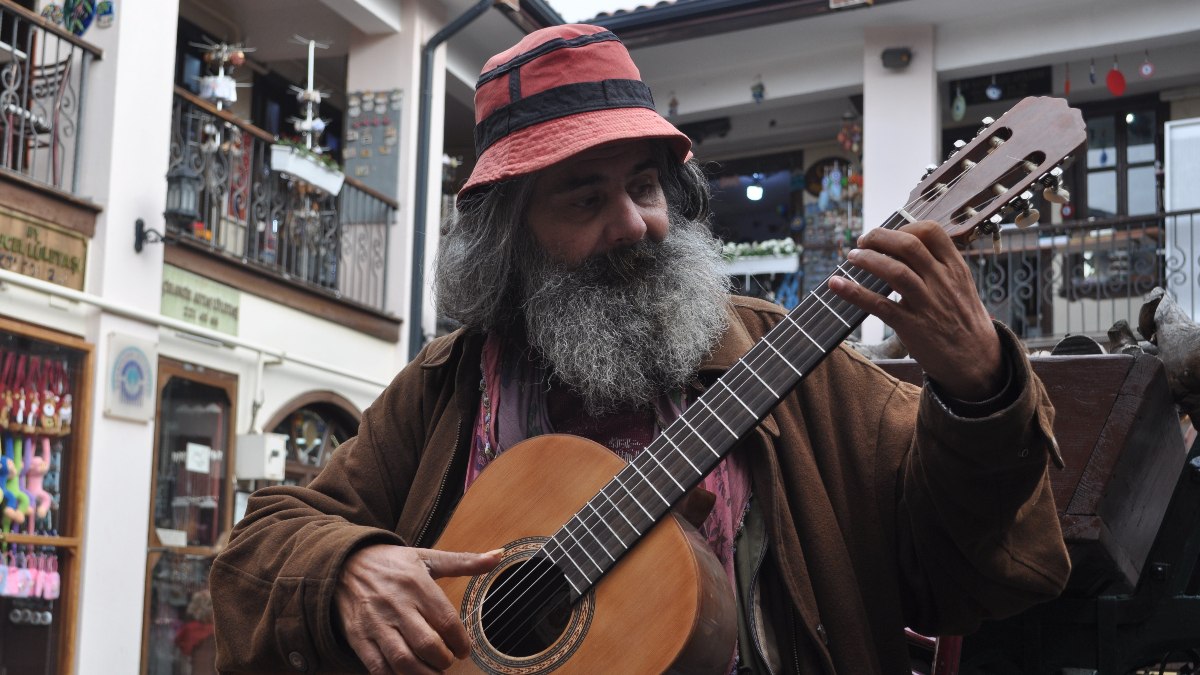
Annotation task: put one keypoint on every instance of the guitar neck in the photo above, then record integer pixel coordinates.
(684, 453)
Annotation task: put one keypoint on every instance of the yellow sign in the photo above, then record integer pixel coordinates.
(42, 250)
(200, 300)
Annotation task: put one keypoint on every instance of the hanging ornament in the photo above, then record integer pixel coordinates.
(835, 183)
(673, 106)
(1147, 69)
(78, 15)
(993, 90)
(1092, 72)
(53, 13)
(1067, 82)
(105, 13)
(850, 135)
(1115, 80)
(758, 90)
(958, 108)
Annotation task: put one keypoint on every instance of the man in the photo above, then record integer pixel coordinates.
(594, 302)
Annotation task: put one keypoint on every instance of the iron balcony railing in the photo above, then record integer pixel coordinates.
(1081, 277)
(43, 73)
(332, 244)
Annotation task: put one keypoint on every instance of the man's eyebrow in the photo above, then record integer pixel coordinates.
(575, 182)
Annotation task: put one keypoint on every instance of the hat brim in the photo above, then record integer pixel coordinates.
(542, 145)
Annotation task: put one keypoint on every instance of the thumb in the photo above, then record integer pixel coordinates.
(458, 563)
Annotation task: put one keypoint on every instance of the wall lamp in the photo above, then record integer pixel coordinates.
(183, 199)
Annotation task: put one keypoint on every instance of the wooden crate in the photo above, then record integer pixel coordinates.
(1120, 437)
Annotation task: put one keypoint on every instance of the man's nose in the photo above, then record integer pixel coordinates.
(625, 224)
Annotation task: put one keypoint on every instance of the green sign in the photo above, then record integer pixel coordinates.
(199, 300)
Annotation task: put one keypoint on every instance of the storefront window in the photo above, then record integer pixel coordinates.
(191, 516)
(43, 403)
(314, 432)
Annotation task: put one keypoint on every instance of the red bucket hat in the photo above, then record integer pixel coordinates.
(560, 91)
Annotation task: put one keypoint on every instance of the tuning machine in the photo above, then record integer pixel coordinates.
(1022, 205)
(1054, 191)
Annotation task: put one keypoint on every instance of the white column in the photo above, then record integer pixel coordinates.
(125, 152)
(900, 126)
(383, 63)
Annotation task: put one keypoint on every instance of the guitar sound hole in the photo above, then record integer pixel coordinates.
(527, 608)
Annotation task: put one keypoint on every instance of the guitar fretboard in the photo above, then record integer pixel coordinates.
(596, 537)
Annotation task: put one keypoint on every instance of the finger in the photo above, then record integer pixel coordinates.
(436, 614)
(370, 655)
(937, 241)
(896, 273)
(426, 643)
(401, 659)
(901, 245)
(459, 564)
(865, 299)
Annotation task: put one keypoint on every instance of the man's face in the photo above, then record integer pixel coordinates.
(599, 200)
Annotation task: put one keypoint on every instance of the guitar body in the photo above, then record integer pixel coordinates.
(665, 606)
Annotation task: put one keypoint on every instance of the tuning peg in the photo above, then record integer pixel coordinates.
(959, 144)
(929, 169)
(1028, 217)
(996, 248)
(1057, 195)
(988, 121)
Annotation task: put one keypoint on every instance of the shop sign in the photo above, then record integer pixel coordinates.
(130, 385)
(41, 250)
(198, 300)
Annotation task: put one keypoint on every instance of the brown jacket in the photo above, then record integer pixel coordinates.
(872, 527)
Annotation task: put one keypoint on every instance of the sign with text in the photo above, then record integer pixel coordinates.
(199, 300)
(41, 250)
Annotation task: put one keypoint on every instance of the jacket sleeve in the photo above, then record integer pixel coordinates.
(977, 528)
(273, 584)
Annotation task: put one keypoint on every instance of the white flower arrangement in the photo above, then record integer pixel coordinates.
(770, 247)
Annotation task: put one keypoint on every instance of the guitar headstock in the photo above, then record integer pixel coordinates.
(994, 175)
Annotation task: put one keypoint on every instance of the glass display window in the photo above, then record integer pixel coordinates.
(315, 425)
(191, 515)
(45, 388)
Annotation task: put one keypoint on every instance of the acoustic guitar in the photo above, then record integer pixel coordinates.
(598, 573)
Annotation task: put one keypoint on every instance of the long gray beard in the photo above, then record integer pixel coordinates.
(625, 327)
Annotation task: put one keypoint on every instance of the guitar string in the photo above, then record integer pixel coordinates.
(717, 416)
(718, 403)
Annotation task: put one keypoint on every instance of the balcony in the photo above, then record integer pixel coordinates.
(43, 75)
(1081, 277)
(278, 227)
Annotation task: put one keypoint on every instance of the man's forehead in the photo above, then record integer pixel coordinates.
(625, 156)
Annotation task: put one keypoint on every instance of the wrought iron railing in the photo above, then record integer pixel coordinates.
(43, 73)
(1081, 277)
(282, 226)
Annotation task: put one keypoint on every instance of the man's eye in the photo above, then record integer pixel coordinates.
(585, 202)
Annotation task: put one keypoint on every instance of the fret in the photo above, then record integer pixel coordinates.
(571, 560)
(667, 471)
(764, 382)
(717, 417)
(681, 453)
(805, 333)
(784, 358)
(635, 500)
(649, 485)
(604, 520)
(716, 454)
(594, 538)
(620, 513)
(579, 544)
(831, 310)
(736, 398)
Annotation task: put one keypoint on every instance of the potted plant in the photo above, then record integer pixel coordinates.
(773, 256)
(300, 162)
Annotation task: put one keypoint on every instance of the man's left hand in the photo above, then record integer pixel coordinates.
(939, 316)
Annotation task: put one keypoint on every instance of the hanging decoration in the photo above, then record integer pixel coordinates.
(1092, 72)
(993, 90)
(105, 13)
(1147, 69)
(958, 108)
(673, 106)
(53, 13)
(758, 90)
(220, 88)
(850, 135)
(78, 15)
(1115, 80)
(1067, 81)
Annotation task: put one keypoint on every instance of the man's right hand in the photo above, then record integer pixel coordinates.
(393, 614)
